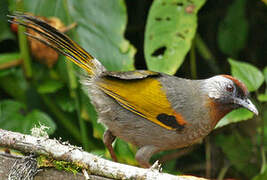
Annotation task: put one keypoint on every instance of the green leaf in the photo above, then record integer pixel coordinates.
(125, 153)
(101, 34)
(14, 117)
(170, 28)
(233, 30)
(247, 73)
(9, 57)
(8, 60)
(262, 97)
(35, 118)
(234, 117)
(49, 86)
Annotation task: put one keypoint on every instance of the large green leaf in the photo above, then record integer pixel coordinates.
(170, 28)
(247, 73)
(233, 30)
(14, 117)
(100, 27)
(235, 116)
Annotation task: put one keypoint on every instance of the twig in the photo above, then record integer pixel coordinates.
(7, 161)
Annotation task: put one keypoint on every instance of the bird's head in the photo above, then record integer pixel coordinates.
(229, 92)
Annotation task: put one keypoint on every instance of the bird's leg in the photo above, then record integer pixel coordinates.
(144, 154)
(108, 139)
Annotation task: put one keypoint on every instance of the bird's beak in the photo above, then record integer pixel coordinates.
(246, 103)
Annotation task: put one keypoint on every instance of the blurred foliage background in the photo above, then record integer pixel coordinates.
(187, 38)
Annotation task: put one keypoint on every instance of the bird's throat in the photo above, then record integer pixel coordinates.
(218, 110)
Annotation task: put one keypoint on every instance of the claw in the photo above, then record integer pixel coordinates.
(156, 166)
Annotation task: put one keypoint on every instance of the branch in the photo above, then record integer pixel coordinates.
(93, 164)
(7, 161)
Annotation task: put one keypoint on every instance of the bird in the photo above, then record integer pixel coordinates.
(151, 110)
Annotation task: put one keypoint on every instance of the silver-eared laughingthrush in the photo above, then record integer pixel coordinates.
(151, 110)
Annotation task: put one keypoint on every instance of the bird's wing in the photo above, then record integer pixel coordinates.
(144, 97)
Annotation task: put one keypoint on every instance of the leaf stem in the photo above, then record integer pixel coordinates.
(23, 45)
(203, 48)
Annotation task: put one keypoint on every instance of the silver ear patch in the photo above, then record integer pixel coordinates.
(214, 86)
(214, 95)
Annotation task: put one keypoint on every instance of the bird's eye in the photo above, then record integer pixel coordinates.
(230, 88)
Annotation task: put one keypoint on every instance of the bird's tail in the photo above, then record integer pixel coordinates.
(60, 42)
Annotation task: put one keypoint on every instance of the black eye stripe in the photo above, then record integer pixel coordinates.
(238, 91)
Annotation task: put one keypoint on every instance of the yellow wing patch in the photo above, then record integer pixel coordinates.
(144, 97)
